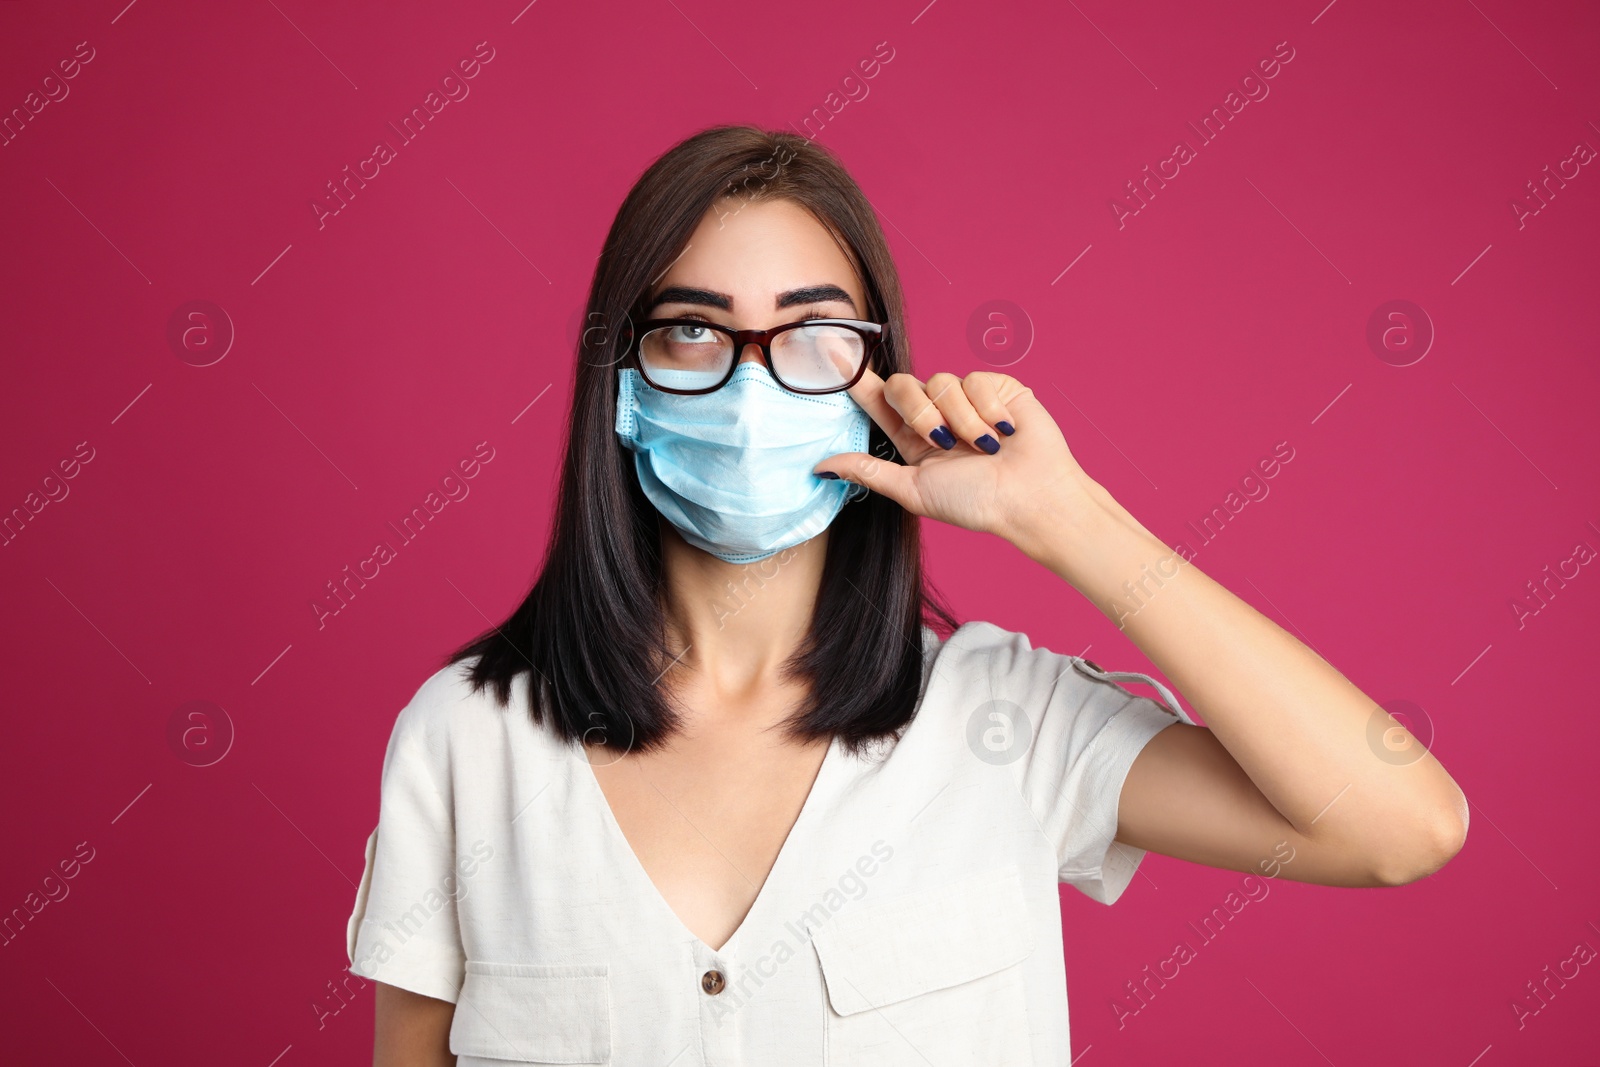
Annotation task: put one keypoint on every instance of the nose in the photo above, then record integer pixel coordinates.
(751, 354)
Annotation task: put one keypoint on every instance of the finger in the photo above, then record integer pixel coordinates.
(869, 393)
(843, 357)
(910, 398)
(945, 390)
(893, 480)
(983, 390)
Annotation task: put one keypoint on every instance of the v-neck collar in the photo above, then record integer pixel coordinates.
(648, 886)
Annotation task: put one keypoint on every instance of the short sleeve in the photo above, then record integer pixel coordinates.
(404, 930)
(1086, 731)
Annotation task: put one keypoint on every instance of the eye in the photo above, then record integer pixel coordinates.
(690, 335)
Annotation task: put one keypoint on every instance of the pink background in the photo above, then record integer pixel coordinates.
(373, 353)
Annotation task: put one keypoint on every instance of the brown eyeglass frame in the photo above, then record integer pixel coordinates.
(873, 334)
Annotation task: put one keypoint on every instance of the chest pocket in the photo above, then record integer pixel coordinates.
(532, 1013)
(932, 977)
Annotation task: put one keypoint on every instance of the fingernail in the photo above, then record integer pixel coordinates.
(827, 474)
(943, 437)
(1005, 428)
(988, 444)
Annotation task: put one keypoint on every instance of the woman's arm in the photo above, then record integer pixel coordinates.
(412, 1030)
(1286, 758)
(1288, 755)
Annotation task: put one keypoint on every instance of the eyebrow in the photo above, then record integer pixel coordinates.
(811, 294)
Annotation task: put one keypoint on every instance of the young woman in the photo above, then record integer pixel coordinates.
(732, 786)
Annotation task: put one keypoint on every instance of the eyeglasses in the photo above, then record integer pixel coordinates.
(692, 356)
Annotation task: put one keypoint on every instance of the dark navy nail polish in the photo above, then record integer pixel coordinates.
(1005, 428)
(943, 437)
(988, 444)
(827, 474)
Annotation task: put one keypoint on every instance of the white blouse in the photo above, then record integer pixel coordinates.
(911, 917)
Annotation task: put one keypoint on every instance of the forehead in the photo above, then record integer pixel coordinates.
(753, 250)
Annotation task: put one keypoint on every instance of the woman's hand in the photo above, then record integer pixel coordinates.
(1008, 470)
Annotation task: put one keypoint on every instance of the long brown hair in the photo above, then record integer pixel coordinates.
(591, 632)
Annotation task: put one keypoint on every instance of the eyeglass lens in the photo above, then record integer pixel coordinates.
(696, 357)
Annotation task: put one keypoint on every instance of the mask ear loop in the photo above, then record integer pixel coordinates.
(624, 424)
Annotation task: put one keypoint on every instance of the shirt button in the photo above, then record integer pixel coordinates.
(712, 982)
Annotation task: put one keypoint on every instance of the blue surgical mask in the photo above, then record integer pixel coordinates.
(731, 469)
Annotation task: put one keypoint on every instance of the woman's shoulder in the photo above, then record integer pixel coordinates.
(462, 737)
(977, 660)
(990, 659)
(442, 694)
(982, 662)
(448, 704)
(977, 643)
